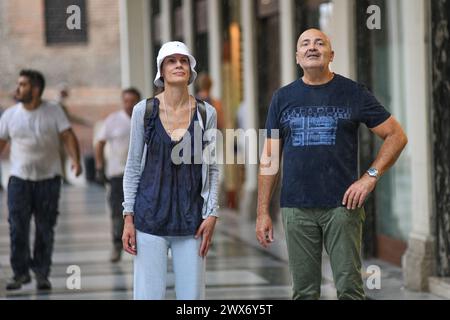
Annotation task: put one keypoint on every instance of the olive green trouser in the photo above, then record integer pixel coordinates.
(340, 231)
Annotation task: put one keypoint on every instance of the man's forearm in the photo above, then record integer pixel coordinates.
(389, 152)
(99, 158)
(266, 185)
(268, 175)
(72, 146)
(2, 145)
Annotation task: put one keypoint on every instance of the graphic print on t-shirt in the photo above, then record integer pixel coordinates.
(314, 126)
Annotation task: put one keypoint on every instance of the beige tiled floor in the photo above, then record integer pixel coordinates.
(237, 268)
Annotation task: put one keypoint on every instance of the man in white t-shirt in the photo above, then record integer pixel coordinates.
(116, 132)
(35, 129)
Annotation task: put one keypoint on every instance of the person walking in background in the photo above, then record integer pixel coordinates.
(322, 194)
(116, 133)
(203, 87)
(170, 204)
(35, 129)
(63, 96)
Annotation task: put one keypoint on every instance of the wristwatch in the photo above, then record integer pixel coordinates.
(373, 172)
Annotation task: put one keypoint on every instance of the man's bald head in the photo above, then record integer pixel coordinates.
(314, 51)
(314, 33)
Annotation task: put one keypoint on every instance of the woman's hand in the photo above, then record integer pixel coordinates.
(206, 231)
(129, 236)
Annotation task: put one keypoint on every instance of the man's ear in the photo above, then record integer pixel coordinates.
(35, 91)
(332, 56)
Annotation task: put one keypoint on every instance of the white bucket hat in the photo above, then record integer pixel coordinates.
(168, 49)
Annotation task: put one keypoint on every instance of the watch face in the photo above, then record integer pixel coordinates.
(372, 172)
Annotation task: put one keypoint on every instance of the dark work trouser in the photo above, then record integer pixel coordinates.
(115, 199)
(40, 199)
(338, 230)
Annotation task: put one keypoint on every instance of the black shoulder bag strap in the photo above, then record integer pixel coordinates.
(202, 110)
(151, 103)
(149, 106)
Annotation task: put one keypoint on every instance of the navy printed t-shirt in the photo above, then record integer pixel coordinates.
(319, 131)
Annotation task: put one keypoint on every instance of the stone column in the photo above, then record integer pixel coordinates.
(215, 47)
(135, 39)
(288, 42)
(341, 32)
(440, 35)
(166, 20)
(419, 260)
(248, 205)
(188, 24)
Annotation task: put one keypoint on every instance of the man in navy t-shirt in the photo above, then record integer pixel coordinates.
(314, 122)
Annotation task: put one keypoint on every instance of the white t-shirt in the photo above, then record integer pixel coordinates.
(35, 140)
(116, 132)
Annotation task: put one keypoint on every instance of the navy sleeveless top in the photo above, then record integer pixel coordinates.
(168, 199)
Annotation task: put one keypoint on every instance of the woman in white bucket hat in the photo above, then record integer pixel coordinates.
(170, 204)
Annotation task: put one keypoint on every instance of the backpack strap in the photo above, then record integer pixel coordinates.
(202, 110)
(149, 106)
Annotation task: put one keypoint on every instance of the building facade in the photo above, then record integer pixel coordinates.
(33, 34)
(397, 48)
